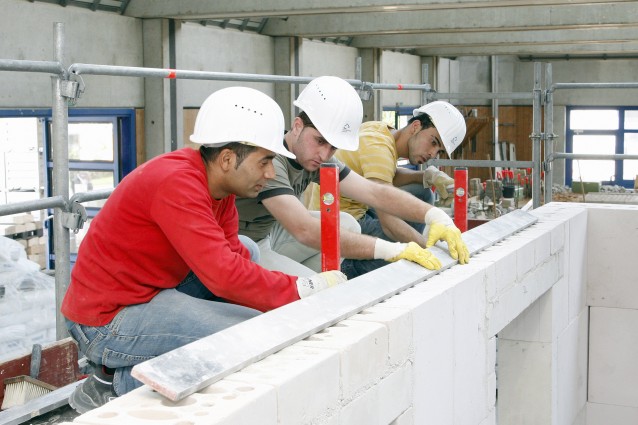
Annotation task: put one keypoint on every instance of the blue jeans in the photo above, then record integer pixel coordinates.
(173, 318)
(370, 225)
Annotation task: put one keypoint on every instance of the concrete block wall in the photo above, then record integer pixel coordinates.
(514, 319)
(612, 295)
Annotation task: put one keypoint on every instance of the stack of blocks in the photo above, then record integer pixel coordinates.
(515, 318)
(28, 232)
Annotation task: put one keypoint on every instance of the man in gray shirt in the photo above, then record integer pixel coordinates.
(289, 236)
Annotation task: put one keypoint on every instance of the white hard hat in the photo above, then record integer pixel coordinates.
(241, 114)
(448, 121)
(335, 109)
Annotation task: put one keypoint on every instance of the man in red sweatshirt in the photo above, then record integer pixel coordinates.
(162, 264)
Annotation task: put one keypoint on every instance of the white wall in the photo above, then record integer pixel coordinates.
(94, 38)
(515, 317)
(212, 49)
(400, 68)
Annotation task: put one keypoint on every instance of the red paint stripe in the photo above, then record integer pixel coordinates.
(171, 73)
(400, 86)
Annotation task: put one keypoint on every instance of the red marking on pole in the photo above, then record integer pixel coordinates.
(329, 203)
(400, 86)
(460, 198)
(171, 73)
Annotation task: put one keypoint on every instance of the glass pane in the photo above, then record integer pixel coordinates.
(91, 141)
(85, 181)
(594, 119)
(630, 167)
(388, 117)
(593, 170)
(76, 238)
(631, 120)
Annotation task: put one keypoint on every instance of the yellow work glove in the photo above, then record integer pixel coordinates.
(307, 286)
(432, 176)
(439, 226)
(395, 251)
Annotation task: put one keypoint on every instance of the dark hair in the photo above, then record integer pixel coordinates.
(242, 150)
(306, 120)
(424, 119)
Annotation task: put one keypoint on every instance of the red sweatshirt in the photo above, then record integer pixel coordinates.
(159, 223)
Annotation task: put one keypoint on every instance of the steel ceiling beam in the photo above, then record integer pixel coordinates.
(197, 9)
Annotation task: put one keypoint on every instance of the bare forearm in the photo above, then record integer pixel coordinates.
(356, 246)
(399, 203)
(406, 176)
(400, 231)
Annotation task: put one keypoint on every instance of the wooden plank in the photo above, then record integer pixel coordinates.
(59, 366)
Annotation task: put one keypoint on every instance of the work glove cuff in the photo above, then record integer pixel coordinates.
(307, 286)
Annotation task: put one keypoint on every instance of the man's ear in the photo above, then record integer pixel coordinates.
(415, 126)
(297, 126)
(227, 159)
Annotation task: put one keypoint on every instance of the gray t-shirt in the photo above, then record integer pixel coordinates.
(255, 221)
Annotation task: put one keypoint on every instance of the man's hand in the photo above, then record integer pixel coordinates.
(413, 252)
(439, 226)
(307, 286)
(432, 176)
(396, 251)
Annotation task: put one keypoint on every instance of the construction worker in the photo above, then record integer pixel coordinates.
(434, 128)
(285, 230)
(162, 264)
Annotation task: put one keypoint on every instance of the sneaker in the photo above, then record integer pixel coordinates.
(90, 394)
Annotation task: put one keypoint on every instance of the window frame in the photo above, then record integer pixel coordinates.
(619, 135)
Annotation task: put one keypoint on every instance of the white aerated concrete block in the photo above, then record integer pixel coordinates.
(470, 336)
(363, 350)
(524, 382)
(433, 362)
(570, 369)
(577, 263)
(613, 365)
(559, 301)
(222, 403)
(606, 414)
(504, 259)
(398, 321)
(383, 403)
(395, 394)
(533, 324)
(514, 300)
(362, 409)
(306, 381)
(612, 252)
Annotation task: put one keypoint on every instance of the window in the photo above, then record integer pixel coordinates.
(101, 153)
(605, 131)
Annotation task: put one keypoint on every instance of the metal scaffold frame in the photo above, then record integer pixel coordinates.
(549, 135)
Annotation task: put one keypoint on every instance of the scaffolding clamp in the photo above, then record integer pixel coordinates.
(75, 219)
(72, 90)
(365, 91)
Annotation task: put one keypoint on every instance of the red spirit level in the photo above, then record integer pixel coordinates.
(460, 198)
(329, 202)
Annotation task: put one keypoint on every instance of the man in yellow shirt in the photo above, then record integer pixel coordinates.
(437, 127)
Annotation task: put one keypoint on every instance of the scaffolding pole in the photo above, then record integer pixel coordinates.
(131, 71)
(549, 136)
(536, 138)
(60, 177)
